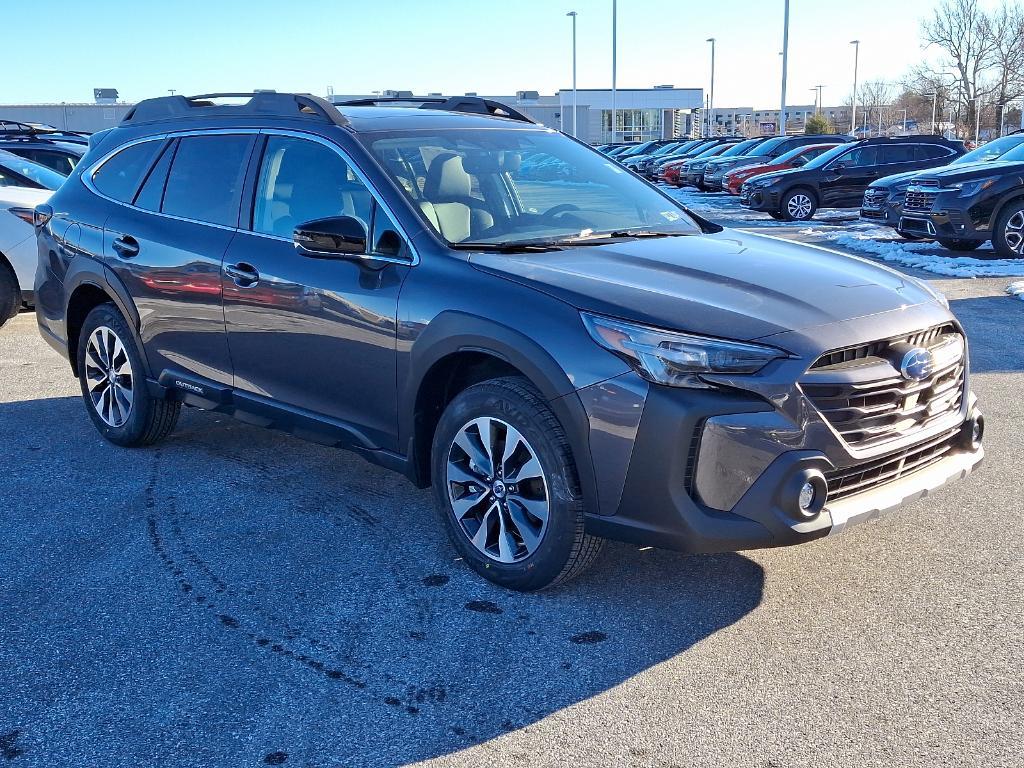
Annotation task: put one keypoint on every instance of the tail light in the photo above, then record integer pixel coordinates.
(25, 214)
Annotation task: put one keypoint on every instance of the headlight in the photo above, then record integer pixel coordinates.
(763, 182)
(676, 359)
(970, 188)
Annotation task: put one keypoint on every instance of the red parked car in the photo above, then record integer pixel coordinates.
(733, 180)
(670, 173)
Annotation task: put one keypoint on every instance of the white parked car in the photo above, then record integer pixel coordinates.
(23, 185)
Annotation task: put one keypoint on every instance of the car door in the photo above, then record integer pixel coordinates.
(167, 244)
(313, 333)
(846, 177)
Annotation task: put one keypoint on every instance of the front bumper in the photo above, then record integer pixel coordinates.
(949, 217)
(760, 198)
(715, 471)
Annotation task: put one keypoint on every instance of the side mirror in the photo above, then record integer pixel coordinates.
(334, 236)
(798, 161)
(840, 167)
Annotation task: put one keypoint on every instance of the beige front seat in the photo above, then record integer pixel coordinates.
(445, 192)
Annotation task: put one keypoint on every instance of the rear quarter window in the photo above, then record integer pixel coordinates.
(119, 177)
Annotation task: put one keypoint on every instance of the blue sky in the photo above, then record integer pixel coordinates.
(145, 48)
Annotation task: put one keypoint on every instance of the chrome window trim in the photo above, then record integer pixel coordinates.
(88, 173)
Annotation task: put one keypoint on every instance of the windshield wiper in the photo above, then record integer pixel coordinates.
(528, 247)
(598, 238)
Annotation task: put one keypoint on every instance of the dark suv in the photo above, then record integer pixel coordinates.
(561, 361)
(762, 153)
(883, 200)
(839, 178)
(57, 150)
(963, 205)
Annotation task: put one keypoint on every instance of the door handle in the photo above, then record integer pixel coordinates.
(126, 246)
(244, 275)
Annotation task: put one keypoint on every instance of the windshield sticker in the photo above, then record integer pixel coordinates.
(670, 215)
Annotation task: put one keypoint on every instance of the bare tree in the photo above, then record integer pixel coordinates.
(961, 30)
(1005, 28)
(875, 98)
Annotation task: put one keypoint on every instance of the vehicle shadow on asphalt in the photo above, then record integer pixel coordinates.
(301, 603)
(999, 321)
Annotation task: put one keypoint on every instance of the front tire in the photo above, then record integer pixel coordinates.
(799, 205)
(1008, 236)
(113, 382)
(959, 245)
(507, 489)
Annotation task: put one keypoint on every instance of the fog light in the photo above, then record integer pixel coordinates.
(806, 499)
(973, 432)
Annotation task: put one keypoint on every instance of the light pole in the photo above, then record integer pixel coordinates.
(818, 102)
(977, 120)
(614, 32)
(853, 108)
(573, 15)
(785, 65)
(904, 120)
(935, 100)
(711, 98)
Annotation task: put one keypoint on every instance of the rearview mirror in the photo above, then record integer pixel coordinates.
(334, 236)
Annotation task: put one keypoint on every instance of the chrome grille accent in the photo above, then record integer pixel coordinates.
(917, 200)
(868, 402)
(871, 474)
(875, 198)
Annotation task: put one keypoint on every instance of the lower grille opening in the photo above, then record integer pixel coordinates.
(871, 474)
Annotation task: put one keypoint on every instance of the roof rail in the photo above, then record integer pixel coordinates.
(17, 129)
(262, 103)
(472, 104)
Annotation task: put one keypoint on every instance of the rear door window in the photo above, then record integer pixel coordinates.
(896, 153)
(61, 162)
(119, 177)
(860, 157)
(206, 176)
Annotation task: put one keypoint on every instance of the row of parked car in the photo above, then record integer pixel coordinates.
(34, 161)
(925, 187)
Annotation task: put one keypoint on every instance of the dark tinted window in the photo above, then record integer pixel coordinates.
(896, 153)
(931, 151)
(121, 175)
(302, 180)
(860, 157)
(152, 192)
(205, 181)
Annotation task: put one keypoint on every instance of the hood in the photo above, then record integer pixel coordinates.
(23, 197)
(754, 169)
(730, 284)
(952, 174)
(888, 182)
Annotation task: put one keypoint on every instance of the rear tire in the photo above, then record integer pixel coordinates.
(10, 295)
(959, 245)
(799, 205)
(1008, 234)
(513, 510)
(113, 382)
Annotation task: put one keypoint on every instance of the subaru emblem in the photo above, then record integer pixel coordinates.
(917, 364)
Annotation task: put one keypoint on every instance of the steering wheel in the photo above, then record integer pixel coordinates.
(552, 212)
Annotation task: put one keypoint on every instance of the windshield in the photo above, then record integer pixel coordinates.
(740, 149)
(667, 148)
(1006, 148)
(826, 157)
(639, 149)
(509, 186)
(795, 153)
(34, 172)
(764, 149)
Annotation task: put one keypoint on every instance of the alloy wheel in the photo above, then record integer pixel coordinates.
(799, 206)
(497, 489)
(1013, 233)
(108, 375)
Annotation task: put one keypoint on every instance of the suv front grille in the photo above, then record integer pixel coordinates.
(875, 198)
(862, 394)
(871, 474)
(917, 200)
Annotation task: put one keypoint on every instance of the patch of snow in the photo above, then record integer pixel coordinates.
(1016, 289)
(927, 256)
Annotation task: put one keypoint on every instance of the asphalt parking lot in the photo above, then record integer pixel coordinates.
(235, 597)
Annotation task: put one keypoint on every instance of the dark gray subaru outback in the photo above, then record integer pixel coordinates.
(494, 309)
